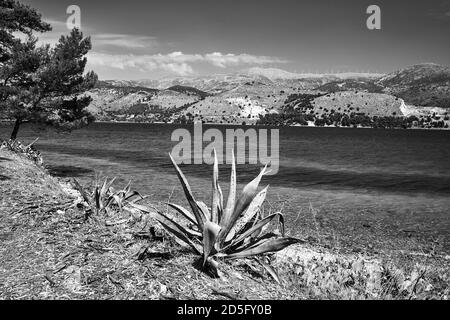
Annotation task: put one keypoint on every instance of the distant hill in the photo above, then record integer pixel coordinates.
(368, 85)
(425, 85)
(189, 91)
(244, 97)
(116, 101)
(125, 87)
(371, 104)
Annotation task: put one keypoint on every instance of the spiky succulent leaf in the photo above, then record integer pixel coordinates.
(179, 232)
(215, 205)
(260, 224)
(130, 194)
(248, 215)
(204, 210)
(189, 196)
(220, 207)
(118, 200)
(106, 186)
(247, 195)
(269, 269)
(231, 195)
(184, 212)
(210, 232)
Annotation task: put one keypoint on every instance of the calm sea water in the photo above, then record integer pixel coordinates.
(397, 181)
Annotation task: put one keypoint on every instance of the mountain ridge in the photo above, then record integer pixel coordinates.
(245, 97)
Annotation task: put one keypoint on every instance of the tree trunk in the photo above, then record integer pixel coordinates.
(16, 129)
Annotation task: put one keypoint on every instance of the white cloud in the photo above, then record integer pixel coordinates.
(182, 69)
(223, 60)
(176, 62)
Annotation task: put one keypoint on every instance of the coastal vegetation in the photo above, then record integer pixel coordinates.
(127, 253)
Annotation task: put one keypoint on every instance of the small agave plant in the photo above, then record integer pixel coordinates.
(105, 196)
(237, 230)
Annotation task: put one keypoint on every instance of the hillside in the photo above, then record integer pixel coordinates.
(426, 85)
(189, 91)
(371, 104)
(265, 92)
(112, 102)
(362, 84)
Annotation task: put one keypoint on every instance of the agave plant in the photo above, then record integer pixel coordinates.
(105, 196)
(237, 230)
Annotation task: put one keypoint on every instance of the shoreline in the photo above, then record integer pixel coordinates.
(252, 125)
(256, 125)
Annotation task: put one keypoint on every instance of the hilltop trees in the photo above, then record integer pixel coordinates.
(41, 85)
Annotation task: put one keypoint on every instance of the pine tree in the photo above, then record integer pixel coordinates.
(42, 85)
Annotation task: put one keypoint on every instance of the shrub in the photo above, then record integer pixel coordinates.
(105, 196)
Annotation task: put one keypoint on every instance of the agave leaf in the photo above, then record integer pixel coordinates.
(270, 270)
(193, 233)
(106, 186)
(127, 187)
(249, 214)
(130, 194)
(220, 205)
(142, 208)
(214, 265)
(272, 245)
(98, 202)
(118, 201)
(108, 202)
(155, 213)
(261, 223)
(247, 195)
(250, 242)
(215, 193)
(184, 212)
(189, 196)
(231, 195)
(82, 191)
(204, 210)
(264, 228)
(210, 232)
(103, 188)
(176, 230)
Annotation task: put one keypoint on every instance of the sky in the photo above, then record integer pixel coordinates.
(154, 39)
